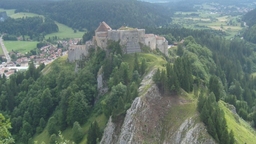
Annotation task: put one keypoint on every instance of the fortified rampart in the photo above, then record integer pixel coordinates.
(130, 39)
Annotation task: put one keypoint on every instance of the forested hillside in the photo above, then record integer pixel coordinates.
(61, 98)
(56, 98)
(250, 19)
(225, 69)
(233, 60)
(34, 27)
(81, 14)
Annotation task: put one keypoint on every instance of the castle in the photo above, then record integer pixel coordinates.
(130, 38)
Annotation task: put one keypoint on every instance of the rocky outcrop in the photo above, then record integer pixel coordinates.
(102, 88)
(144, 121)
(190, 132)
(108, 132)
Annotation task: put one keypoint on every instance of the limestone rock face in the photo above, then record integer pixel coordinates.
(108, 132)
(145, 119)
(190, 132)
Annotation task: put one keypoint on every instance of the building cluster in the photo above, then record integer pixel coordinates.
(46, 55)
(131, 39)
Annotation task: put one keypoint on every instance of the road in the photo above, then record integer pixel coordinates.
(7, 56)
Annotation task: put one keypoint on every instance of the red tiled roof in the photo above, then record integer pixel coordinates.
(103, 27)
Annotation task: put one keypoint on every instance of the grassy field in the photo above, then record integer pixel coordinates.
(24, 15)
(205, 19)
(151, 60)
(65, 32)
(242, 130)
(20, 46)
(9, 12)
(62, 62)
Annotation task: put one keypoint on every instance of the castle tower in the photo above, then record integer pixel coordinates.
(101, 35)
(103, 27)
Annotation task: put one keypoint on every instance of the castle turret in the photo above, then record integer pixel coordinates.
(101, 34)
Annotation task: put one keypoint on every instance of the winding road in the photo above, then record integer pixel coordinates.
(7, 56)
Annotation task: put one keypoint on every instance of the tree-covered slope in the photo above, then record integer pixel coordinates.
(250, 19)
(80, 14)
(243, 132)
(40, 102)
(34, 27)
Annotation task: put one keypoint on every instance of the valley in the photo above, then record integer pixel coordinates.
(227, 19)
(128, 72)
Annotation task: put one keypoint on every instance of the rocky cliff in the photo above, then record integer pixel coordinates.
(157, 119)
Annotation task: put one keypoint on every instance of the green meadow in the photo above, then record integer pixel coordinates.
(9, 12)
(65, 32)
(243, 132)
(20, 46)
(24, 15)
(205, 19)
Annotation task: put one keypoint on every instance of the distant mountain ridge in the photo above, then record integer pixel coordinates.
(87, 14)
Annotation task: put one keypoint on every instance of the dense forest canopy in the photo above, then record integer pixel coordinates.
(221, 70)
(250, 19)
(221, 67)
(81, 14)
(30, 26)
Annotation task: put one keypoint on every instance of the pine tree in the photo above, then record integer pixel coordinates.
(53, 139)
(204, 114)
(77, 132)
(211, 128)
(52, 125)
(157, 77)
(120, 106)
(231, 137)
(143, 67)
(180, 50)
(163, 82)
(214, 86)
(136, 63)
(93, 133)
(200, 103)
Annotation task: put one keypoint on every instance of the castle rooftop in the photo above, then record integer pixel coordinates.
(103, 27)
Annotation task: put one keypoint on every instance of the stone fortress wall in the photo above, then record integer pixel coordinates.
(76, 52)
(130, 39)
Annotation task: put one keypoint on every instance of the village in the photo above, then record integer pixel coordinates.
(46, 55)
